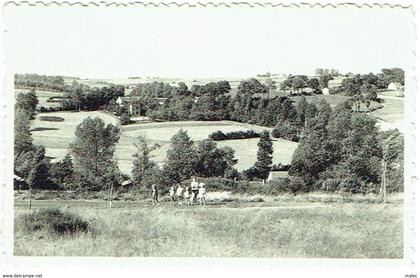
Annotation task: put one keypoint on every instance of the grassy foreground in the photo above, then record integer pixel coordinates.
(274, 229)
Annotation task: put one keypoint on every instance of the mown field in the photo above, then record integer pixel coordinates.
(56, 137)
(391, 115)
(274, 228)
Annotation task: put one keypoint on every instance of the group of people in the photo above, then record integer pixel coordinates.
(189, 195)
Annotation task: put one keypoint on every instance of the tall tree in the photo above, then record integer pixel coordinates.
(181, 158)
(264, 155)
(143, 166)
(93, 150)
(27, 102)
(213, 161)
(23, 139)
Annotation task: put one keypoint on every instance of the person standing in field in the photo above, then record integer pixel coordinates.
(179, 190)
(194, 189)
(202, 194)
(155, 194)
(187, 195)
(172, 194)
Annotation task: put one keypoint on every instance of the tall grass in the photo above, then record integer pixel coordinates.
(314, 230)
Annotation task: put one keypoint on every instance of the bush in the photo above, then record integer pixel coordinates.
(291, 184)
(125, 119)
(51, 119)
(54, 221)
(219, 135)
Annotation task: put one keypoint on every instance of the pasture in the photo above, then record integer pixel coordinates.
(392, 114)
(56, 136)
(274, 228)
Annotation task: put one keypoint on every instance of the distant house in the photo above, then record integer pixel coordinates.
(161, 100)
(335, 83)
(131, 103)
(325, 91)
(134, 105)
(395, 86)
(276, 175)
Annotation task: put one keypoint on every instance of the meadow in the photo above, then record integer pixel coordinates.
(391, 115)
(282, 227)
(56, 137)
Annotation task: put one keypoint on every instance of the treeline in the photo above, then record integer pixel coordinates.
(247, 106)
(81, 97)
(42, 82)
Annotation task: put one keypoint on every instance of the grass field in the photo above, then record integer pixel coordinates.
(267, 229)
(59, 134)
(392, 114)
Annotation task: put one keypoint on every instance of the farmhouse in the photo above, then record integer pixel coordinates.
(131, 103)
(395, 86)
(134, 105)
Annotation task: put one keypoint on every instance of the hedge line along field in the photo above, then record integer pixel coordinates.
(56, 137)
(276, 229)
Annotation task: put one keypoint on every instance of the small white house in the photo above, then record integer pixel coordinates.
(325, 91)
(394, 86)
(276, 175)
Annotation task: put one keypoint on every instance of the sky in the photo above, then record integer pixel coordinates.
(118, 42)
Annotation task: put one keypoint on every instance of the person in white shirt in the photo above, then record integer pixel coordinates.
(202, 194)
(194, 188)
(187, 196)
(179, 191)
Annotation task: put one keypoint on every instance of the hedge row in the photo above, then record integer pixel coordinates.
(219, 135)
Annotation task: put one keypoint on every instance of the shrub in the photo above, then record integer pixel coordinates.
(291, 184)
(54, 221)
(51, 118)
(219, 135)
(125, 119)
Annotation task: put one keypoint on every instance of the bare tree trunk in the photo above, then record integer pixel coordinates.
(385, 168)
(110, 195)
(30, 198)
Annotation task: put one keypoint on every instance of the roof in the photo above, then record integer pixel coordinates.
(398, 84)
(129, 98)
(277, 174)
(126, 182)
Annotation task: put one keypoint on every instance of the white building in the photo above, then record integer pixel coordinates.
(325, 91)
(395, 86)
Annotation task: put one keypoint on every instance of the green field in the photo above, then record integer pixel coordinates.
(59, 134)
(275, 228)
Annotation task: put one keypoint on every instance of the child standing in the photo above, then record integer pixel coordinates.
(172, 194)
(202, 193)
(155, 194)
(187, 196)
